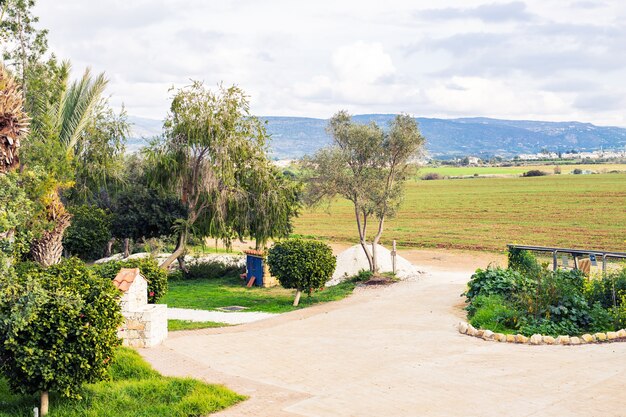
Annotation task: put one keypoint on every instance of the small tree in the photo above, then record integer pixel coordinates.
(58, 329)
(368, 167)
(301, 264)
(89, 232)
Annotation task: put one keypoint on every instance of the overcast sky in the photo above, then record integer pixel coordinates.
(533, 59)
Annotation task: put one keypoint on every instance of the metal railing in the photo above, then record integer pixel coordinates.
(575, 253)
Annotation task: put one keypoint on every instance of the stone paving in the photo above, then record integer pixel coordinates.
(394, 351)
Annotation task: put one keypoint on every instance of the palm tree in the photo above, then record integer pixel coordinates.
(13, 121)
(61, 128)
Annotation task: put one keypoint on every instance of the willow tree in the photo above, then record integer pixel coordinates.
(367, 166)
(213, 157)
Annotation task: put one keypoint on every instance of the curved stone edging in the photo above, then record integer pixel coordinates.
(538, 339)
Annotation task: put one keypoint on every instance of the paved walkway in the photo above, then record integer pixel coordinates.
(394, 351)
(234, 317)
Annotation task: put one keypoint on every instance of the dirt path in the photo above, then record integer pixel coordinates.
(394, 351)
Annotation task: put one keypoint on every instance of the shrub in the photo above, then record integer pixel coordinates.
(89, 232)
(524, 262)
(493, 312)
(156, 277)
(534, 173)
(58, 328)
(301, 264)
(577, 171)
(601, 290)
(496, 281)
(431, 176)
(212, 269)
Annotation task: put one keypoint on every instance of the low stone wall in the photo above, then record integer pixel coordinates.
(538, 339)
(145, 327)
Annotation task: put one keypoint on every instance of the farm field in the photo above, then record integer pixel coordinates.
(487, 213)
(518, 170)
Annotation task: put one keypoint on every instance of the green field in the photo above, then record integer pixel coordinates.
(487, 213)
(453, 171)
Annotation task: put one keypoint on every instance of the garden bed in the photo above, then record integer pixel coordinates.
(528, 303)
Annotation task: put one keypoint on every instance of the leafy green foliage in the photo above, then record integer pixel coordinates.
(496, 281)
(135, 390)
(212, 269)
(493, 312)
(58, 328)
(156, 277)
(523, 261)
(89, 232)
(301, 264)
(534, 173)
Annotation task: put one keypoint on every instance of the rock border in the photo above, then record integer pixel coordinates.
(538, 339)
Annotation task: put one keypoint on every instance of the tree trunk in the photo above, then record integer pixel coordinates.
(375, 244)
(108, 251)
(48, 249)
(44, 404)
(297, 300)
(181, 263)
(363, 235)
(126, 247)
(180, 250)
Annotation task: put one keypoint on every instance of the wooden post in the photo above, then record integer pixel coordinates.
(393, 257)
(44, 403)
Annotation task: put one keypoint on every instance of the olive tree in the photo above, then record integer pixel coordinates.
(367, 166)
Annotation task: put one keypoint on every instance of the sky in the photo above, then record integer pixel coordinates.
(535, 59)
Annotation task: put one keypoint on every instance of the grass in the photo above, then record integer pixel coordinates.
(452, 171)
(585, 211)
(135, 390)
(175, 325)
(209, 294)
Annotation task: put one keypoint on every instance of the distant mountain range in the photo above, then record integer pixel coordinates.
(294, 137)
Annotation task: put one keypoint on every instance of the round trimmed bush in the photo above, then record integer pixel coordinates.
(301, 264)
(58, 328)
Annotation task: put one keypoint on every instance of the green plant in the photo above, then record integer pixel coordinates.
(156, 277)
(496, 281)
(523, 261)
(534, 173)
(58, 328)
(301, 264)
(89, 232)
(212, 269)
(493, 312)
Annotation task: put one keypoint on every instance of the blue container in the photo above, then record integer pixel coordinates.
(254, 268)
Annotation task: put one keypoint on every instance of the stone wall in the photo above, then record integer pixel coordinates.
(144, 327)
(136, 297)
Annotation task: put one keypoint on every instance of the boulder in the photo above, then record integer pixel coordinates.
(499, 337)
(548, 340)
(463, 327)
(562, 340)
(600, 337)
(611, 335)
(621, 333)
(587, 338)
(520, 338)
(471, 330)
(510, 338)
(536, 339)
(574, 341)
(488, 335)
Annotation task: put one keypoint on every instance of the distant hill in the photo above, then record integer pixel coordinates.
(294, 137)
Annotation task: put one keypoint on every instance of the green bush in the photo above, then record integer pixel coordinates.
(524, 262)
(212, 269)
(496, 281)
(601, 290)
(149, 267)
(534, 173)
(301, 264)
(89, 232)
(58, 328)
(493, 312)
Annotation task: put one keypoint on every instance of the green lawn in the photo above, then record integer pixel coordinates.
(136, 390)
(485, 214)
(209, 294)
(175, 325)
(453, 171)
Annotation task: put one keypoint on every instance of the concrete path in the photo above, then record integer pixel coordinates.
(394, 351)
(234, 317)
